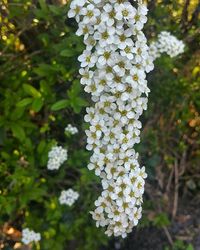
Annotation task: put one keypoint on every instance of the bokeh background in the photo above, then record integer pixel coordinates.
(40, 94)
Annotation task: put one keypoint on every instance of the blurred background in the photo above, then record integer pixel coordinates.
(40, 94)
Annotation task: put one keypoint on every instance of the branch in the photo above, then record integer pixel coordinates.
(176, 173)
(184, 17)
(195, 15)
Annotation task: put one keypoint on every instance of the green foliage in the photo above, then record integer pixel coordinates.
(161, 220)
(40, 95)
(180, 245)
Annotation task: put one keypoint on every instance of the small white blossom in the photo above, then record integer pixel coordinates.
(57, 156)
(71, 130)
(166, 43)
(68, 197)
(29, 236)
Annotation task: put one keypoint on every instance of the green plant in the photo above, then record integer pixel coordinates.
(40, 95)
(180, 245)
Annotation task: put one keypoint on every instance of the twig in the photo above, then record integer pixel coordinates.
(184, 18)
(195, 15)
(183, 163)
(176, 180)
(168, 235)
(169, 181)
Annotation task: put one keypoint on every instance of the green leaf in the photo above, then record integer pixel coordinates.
(77, 104)
(46, 70)
(30, 90)
(17, 113)
(24, 102)
(67, 53)
(45, 88)
(43, 5)
(41, 147)
(55, 9)
(60, 105)
(18, 131)
(161, 220)
(75, 101)
(37, 104)
(190, 247)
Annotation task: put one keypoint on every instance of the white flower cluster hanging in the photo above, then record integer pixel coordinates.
(68, 197)
(29, 236)
(166, 43)
(57, 156)
(113, 69)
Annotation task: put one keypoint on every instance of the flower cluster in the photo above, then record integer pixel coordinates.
(29, 236)
(113, 70)
(166, 43)
(71, 130)
(68, 197)
(57, 156)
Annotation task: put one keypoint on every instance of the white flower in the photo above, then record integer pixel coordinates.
(29, 236)
(108, 15)
(71, 130)
(90, 42)
(68, 197)
(140, 18)
(75, 9)
(87, 59)
(85, 30)
(57, 156)
(113, 70)
(128, 52)
(105, 56)
(105, 35)
(125, 11)
(166, 43)
(137, 76)
(90, 14)
(122, 38)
